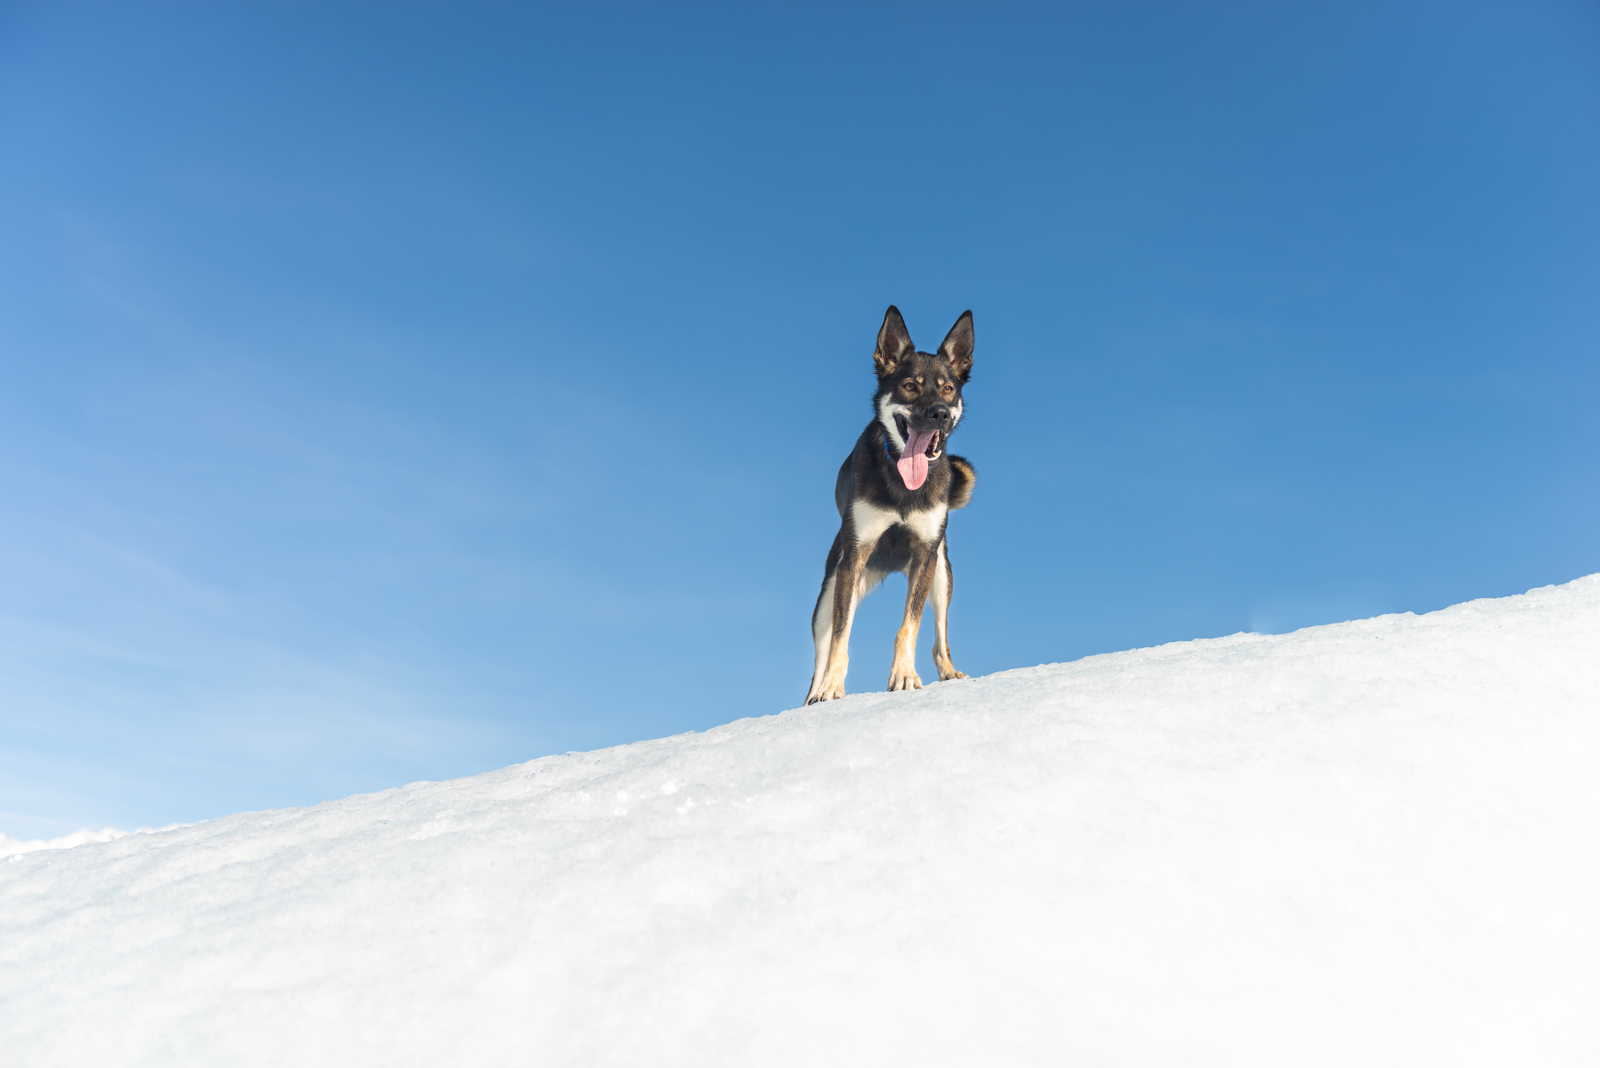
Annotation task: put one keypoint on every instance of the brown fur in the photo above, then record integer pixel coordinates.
(962, 480)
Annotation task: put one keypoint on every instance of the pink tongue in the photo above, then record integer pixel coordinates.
(913, 463)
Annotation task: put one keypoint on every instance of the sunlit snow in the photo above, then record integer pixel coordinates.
(1373, 843)
(10, 847)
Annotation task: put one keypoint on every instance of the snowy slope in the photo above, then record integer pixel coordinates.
(1373, 843)
(10, 846)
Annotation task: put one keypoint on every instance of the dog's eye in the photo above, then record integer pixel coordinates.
(909, 386)
(948, 391)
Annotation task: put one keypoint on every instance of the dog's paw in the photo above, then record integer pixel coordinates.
(904, 679)
(827, 693)
(946, 676)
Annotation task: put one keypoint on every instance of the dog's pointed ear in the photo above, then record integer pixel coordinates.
(894, 343)
(957, 346)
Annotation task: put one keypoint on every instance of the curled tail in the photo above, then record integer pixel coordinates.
(962, 478)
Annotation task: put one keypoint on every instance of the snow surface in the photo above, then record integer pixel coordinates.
(1373, 843)
(11, 846)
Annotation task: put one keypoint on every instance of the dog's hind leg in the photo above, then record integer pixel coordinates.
(822, 635)
(845, 595)
(850, 582)
(943, 587)
(847, 567)
(822, 617)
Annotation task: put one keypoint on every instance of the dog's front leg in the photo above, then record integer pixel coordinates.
(843, 588)
(919, 580)
(943, 585)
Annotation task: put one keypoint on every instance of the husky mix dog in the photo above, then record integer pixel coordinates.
(894, 495)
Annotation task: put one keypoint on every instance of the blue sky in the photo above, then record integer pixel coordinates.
(395, 392)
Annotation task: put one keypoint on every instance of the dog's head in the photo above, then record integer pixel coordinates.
(919, 393)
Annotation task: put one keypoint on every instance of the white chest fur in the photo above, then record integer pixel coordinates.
(871, 522)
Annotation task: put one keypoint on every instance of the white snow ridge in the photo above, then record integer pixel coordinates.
(1373, 843)
(10, 847)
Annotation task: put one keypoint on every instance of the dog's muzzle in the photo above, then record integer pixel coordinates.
(922, 448)
(934, 440)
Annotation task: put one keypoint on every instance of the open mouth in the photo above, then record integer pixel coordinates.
(935, 438)
(922, 447)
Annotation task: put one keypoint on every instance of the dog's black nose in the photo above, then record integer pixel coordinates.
(939, 413)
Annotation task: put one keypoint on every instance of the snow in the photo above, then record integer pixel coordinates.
(1372, 843)
(10, 847)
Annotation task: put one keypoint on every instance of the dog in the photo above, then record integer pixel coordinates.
(894, 493)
